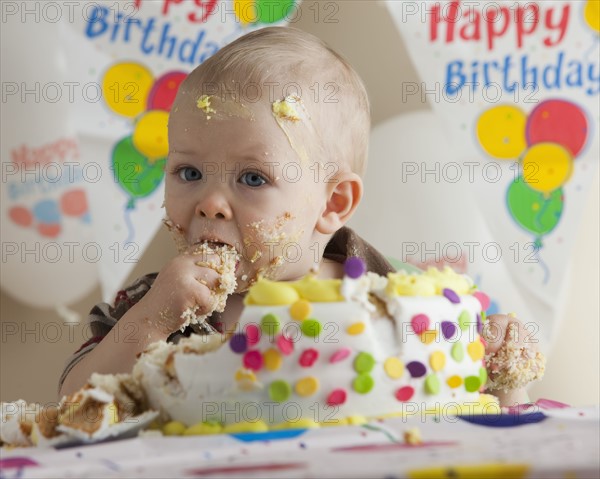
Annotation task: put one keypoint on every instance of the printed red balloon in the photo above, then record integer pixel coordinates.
(50, 230)
(21, 216)
(74, 203)
(558, 121)
(162, 94)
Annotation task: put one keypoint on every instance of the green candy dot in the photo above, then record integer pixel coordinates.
(279, 391)
(472, 383)
(311, 327)
(364, 363)
(483, 376)
(464, 320)
(270, 324)
(457, 352)
(483, 317)
(363, 383)
(432, 384)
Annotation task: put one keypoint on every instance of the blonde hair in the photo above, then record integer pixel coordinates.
(284, 57)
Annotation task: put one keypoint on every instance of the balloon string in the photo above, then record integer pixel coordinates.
(127, 217)
(542, 264)
(538, 218)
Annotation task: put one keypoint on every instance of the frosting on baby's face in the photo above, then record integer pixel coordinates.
(237, 174)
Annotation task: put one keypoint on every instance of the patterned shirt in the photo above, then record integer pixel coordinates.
(103, 317)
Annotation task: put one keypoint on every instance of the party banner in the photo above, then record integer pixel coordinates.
(127, 60)
(517, 87)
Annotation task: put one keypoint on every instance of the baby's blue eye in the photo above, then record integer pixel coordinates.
(187, 173)
(252, 179)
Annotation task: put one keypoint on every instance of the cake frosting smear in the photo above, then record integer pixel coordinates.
(307, 353)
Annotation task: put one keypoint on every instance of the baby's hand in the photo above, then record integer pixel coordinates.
(512, 357)
(186, 283)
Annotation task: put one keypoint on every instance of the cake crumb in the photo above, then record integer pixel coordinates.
(413, 436)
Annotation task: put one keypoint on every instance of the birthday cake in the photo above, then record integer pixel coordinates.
(328, 351)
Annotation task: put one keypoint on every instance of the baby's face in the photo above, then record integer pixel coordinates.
(235, 178)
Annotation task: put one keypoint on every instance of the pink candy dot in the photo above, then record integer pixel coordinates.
(405, 393)
(340, 355)
(337, 397)
(253, 360)
(420, 323)
(252, 334)
(483, 298)
(308, 357)
(285, 345)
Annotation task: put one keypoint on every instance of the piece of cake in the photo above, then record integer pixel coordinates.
(328, 351)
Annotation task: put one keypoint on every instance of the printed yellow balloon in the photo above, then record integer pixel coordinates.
(245, 11)
(150, 134)
(125, 88)
(547, 166)
(501, 131)
(592, 14)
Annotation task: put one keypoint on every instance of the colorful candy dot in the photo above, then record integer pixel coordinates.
(416, 369)
(300, 310)
(479, 323)
(483, 317)
(432, 384)
(252, 334)
(355, 267)
(272, 359)
(428, 337)
(457, 352)
(448, 329)
(308, 357)
(279, 391)
(311, 327)
(405, 393)
(340, 355)
(337, 397)
(472, 383)
(307, 386)
(451, 295)
(364, 362)
(363, 383)
(464, 320)
(483, 376)
(393, 367)
(454, 381)
(356, 328)
(253, 360)
(483, 299)
(285, 344)
(244, 375)
(270, 324)
(437, 360)
(476, 350)
(420, 323)
(238, 343)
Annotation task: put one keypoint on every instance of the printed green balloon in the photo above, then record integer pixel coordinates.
(270, 11)
(534, 211)
(136, 174)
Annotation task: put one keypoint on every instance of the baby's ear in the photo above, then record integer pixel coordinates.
(343, 196)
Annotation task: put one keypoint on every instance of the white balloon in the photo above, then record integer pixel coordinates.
(48, 255)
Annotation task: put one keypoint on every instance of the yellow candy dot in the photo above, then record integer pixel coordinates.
(428, 336)
(203, 428)
(437, 360)
(272, 359)
(454, 381)
(307, 386)
(356, 328)
(356, 420)
(393, 367)
(476, 350)
(245, 426)
(245, 375)
(300, 310)
(173, 428)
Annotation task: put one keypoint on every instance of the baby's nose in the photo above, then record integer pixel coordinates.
(214, 208)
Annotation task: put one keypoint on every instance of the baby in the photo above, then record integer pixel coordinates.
(267, 148)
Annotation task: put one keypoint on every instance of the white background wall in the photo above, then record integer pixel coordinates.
(32, 355)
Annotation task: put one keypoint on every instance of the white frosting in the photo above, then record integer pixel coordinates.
(205, 386)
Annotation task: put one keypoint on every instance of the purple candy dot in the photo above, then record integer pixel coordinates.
(355, 267)
(238, 343)
(451, 295)
(448, 329)
(479, 323)
(416, 369)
